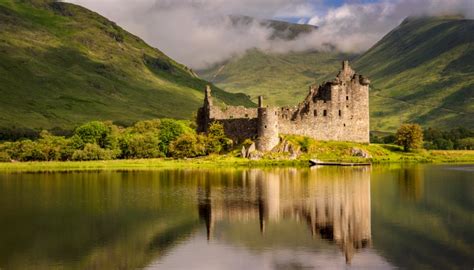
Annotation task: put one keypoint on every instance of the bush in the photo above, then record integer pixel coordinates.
(217, 142)
(170, 130)
(54, 148)
(410, 136)
(26, 150)
(188, 145)
(147, 126)
(94, 152)
(136, 145)
(443, 144)
(104, 134)
(104, 141)
(466, 143)
(305, 144)
(5, 157)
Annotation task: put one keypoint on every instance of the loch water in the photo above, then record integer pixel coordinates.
(380, 217)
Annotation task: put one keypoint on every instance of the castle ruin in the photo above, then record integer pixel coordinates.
(335, 111)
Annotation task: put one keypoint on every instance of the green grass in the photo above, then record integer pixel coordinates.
(381, 153)
(326, 151)
(61, 65)
(422, 71)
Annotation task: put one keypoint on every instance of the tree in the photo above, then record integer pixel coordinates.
(466, 143)
(170, 130)
(410, 136)
(217, 140)
(92, 133)
(140, 145)
(188, 145)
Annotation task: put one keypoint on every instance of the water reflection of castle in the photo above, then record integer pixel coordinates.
(335, 206)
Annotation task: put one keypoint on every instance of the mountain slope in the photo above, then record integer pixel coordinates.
(282, 78)
(423, 72)
(61, 64)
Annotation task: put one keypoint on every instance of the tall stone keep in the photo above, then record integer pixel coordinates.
(268, 134)
(337, 110)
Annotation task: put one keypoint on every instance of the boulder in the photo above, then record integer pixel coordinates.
(357, 152)
(247, 152)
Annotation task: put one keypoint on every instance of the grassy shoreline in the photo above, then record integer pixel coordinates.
(230, 161)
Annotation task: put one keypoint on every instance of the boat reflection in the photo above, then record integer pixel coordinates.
(334, 206)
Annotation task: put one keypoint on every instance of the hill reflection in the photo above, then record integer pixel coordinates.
(334, 206)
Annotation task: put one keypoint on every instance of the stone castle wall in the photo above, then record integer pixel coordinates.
(239, 123)
(337, 111)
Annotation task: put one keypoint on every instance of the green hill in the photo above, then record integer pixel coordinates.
(422, 71)
(61, 64)
(282, 78)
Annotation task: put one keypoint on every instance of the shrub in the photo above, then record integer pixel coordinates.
(410, 136)
(94, 152)
(92, 133)
(170, 130)
(104, 134)
(147, 126)
(217, 141)
(26, 150)
(188, 145)
(305, 144)
(5, 157)
(55, 147)
(443, 144)
(466, 143)
(136, 145)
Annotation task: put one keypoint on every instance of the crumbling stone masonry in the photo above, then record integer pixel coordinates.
(335, 111)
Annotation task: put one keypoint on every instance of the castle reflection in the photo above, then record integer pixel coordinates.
(335, 207)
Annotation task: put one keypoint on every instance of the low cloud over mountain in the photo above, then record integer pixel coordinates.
(200, 33)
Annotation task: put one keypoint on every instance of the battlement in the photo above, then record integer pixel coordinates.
(337, 110)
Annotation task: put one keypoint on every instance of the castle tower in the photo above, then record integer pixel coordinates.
(267, 127)
(347, 72)
(204, 113)
(208, 97)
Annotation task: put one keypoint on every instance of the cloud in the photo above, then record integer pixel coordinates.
(198, 33)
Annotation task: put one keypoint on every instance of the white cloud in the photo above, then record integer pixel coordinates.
(198, 33)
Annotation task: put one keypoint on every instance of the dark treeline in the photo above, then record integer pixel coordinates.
(434, 139)
(16, 134)
(105, 141)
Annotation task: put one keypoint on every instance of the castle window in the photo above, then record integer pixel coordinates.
(347, 97)
(276, 113)
(265, 126)
(344, 124)
(340, 113)
(324, 101)
(315, 112)
(246, 115)
(325, 113)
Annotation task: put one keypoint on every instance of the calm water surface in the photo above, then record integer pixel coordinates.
(415, 217)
